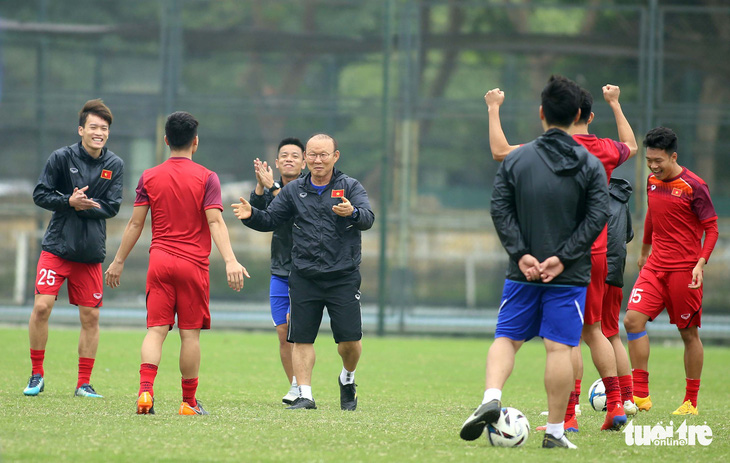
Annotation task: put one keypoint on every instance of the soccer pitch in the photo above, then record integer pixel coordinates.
(414, 394)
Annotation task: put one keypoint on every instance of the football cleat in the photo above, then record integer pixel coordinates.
(302, 403)
(551, 442)
(87, 390)
(290, 397)
(569, 426)
(35, 385)
(644, 403)
(615, 419)
(348, 396)
(487, 413)
(630, 408)
(186, 409)
(686, 409)
(145, 404)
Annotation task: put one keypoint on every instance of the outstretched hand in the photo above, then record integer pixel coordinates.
(344, 209)
(242, 210)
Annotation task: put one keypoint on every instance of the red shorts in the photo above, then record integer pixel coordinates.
(594, 296)
(177, 286)
(653, 291)
(612, 298)
(85, 283)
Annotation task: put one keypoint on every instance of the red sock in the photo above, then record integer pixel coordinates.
(577, 390)
(36, 360)
(627, 388)
(692, 389)
(613, 392)
(189, 386)
(147, 375)
(641, 382)
(85, 366)
(570, 412)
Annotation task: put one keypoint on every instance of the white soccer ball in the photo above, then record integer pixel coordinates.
(511, 429)
(597, 395)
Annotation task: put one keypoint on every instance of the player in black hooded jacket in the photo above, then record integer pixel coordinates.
(82, 185)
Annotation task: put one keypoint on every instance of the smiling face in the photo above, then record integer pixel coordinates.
(662, 164)
(321, 157)
(94, 134)
(290, 161)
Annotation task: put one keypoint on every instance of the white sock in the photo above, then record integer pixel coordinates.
(556, 429)
(294, 381)
(347, 377)
(306, 392)
(491, 394)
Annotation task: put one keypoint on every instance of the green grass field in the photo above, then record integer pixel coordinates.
(414, 394)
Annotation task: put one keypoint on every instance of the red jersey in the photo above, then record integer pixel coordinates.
(680, 211)
(612, 154)
(178, 192)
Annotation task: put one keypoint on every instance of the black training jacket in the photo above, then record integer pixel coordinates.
(324, 245)
(79, 236)
(620, 231)
(281, 240)
(550, 198)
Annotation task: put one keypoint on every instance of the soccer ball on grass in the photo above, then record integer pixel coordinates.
(511, 429)
(597, 395)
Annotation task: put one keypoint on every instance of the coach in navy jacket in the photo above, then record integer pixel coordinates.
(329, 210)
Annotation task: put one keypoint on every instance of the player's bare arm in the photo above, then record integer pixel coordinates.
(497, 140)
(550, 268)
(626, 135)
(80, 202)
(344, 209)
(219, 232)
(698, 274)
(644, 255)
(132, 232)
(242, 210)
(530, 267)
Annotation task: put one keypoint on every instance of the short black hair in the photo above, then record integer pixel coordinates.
(97, 108)
(561, 100)
(661, 138)
(290, 141)
(586, 106)
(181, 129)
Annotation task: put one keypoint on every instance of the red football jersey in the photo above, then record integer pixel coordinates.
(178, 192)
(612, 154)
(674, 225)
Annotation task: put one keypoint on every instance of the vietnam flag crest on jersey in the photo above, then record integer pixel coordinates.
(676, 192)
(106, 174)
(338, 193)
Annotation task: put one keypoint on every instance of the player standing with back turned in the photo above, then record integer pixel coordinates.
(185, 201)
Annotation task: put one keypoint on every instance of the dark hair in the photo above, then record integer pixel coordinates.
(97, 108)
(586, 106)
(181, 129)
(561, 100)
(321, 136)
(290, 141)
(661, 138)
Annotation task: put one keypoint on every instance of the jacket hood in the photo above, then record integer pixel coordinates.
(620, 189)
(562, 154)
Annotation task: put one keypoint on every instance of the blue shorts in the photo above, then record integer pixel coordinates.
(279, 299)
(552, 312)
